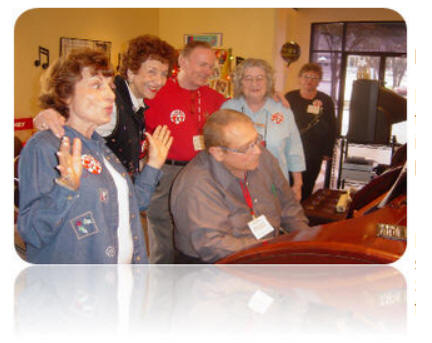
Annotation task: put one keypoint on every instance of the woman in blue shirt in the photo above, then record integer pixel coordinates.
(77, 202)
(253, 92)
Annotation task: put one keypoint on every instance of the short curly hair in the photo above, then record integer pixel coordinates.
(311, 67)
(58, 82)
(238, 74)
(141, 48)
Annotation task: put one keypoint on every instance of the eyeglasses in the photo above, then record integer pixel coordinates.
(250, 79)
(307, 77)
(247, 149)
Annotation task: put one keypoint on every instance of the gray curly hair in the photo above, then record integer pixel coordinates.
(238, 74)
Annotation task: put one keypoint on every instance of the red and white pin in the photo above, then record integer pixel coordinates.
(277, 118)
(177, 116)
(91, 164)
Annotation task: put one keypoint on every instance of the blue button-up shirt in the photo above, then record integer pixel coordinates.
(60, 225)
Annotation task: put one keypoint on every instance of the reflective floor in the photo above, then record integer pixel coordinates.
(192, 301)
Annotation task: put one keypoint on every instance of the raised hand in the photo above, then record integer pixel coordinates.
(70, 166)
(160, 143)
(50, 120)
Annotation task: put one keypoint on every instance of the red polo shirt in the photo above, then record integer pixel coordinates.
(184, 112)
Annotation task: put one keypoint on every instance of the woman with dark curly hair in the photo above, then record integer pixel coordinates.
(144, 69)
(77, 202)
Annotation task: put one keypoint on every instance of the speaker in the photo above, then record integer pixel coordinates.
(367, 124)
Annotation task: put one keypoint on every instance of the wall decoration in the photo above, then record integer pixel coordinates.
(239, 60)
(221, 78)
(39, 62)
(290, 52)
(68, 44)
(214, 39)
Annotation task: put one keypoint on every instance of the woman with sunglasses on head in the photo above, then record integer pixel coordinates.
(315, 117)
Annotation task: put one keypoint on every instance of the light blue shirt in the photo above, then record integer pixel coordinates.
(277, 126)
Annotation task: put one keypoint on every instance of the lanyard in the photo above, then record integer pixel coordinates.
(247, 196)
(243, 110)
(265, 129)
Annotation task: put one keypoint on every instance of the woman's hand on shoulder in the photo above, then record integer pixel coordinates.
(50, 119)
(279, 97)
(159, 144)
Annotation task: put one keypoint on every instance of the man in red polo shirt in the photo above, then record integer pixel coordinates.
(183, 104)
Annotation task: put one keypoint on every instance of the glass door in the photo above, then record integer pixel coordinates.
(395, 78)
(357, 66)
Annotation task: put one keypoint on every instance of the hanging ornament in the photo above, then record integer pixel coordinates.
(290, 52)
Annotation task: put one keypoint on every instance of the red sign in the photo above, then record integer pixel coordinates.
(23, 124)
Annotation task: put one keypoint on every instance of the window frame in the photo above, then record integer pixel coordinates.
(344, 56)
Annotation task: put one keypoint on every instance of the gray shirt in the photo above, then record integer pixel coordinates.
(211, 214)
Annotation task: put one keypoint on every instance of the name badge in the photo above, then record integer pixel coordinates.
(260, 227)
(313, 109)
(198, 142)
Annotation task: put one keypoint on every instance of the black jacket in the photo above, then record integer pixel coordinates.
(125, 140)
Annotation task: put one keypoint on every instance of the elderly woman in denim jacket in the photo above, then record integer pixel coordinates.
(77, 202)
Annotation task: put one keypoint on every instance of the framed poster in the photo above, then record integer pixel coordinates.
(68, 44)
(214, 39)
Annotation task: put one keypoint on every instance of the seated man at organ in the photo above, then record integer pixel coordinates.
(232, 195)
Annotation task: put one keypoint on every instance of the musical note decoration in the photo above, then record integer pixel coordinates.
(42, 52)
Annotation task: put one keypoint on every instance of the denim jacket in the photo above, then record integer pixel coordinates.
(64, 226)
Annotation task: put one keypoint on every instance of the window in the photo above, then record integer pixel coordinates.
(344, 48)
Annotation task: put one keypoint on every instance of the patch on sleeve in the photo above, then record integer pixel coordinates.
(84, 225)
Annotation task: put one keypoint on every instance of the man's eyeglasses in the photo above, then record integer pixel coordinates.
(246, 149)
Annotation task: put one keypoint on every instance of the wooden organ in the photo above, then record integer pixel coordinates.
(372, 231)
